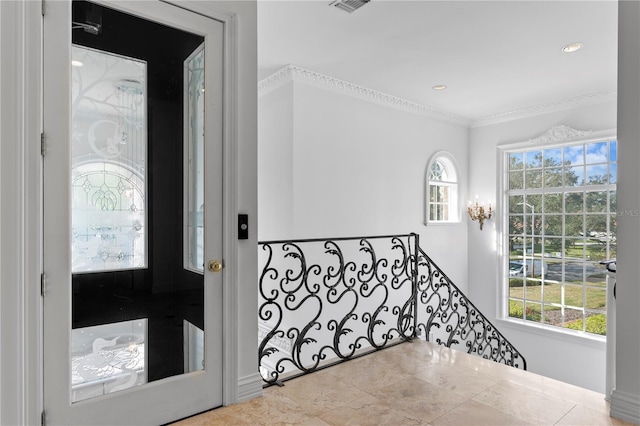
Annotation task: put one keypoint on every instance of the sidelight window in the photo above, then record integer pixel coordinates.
(194, 162)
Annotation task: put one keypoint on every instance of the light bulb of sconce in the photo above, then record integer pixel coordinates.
(573, 47)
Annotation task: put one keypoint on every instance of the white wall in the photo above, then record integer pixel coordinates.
(573, 360)
(358, 169)
(275, 163)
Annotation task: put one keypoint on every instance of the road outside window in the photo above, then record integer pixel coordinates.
(561, 222)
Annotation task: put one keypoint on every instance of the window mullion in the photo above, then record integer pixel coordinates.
(566, 194)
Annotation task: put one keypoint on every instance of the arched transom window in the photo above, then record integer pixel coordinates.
(442, 190)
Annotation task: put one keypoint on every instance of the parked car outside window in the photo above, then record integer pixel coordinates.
(532, 268)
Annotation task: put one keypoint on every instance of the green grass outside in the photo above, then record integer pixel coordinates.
(595, 252)
(548, 294)
(596, 295)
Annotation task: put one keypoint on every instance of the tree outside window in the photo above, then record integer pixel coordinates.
(561, 222)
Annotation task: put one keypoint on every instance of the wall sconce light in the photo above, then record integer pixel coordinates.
(478, 212)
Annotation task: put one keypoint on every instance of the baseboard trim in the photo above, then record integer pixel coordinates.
(249, 387)
(625, 406)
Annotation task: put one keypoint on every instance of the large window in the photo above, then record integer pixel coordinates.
(442, 190)
(561, 222)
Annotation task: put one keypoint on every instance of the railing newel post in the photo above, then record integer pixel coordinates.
(414, 271)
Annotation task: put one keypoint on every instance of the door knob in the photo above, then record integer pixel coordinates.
(216, 266)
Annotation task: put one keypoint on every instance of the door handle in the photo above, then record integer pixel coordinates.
(216, 265)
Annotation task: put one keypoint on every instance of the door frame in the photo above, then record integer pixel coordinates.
(230, 296)
(20, 211)
(21, 250)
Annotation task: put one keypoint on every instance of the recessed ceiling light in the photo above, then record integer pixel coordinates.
(76, 63)
(573, 47)
(439, 87)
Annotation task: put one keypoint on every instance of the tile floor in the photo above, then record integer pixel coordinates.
(417, 384)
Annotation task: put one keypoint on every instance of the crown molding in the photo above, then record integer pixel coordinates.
(593, 98)
(275, 80)
(295, 73)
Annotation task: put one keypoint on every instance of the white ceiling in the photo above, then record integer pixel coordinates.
(494, 56)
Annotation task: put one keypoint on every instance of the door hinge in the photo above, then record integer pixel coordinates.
(43, 141)
(43, 284)
(43, 419)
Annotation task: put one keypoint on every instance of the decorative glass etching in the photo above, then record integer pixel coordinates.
(194, 181)
(108, 218)
(107, 358)
(109, 149)
(438, 171)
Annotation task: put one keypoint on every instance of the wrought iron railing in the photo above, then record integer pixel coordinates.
(447, 317)
(324, 301)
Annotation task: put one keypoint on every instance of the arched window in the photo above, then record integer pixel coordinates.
(442, 190)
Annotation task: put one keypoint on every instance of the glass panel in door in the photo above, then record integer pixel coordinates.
(132, 293)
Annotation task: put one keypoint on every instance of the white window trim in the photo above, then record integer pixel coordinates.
(455, 216)
(502, 261)
(592, 340)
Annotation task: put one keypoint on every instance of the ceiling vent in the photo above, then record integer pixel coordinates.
(349, 5)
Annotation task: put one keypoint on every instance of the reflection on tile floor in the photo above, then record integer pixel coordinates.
(418, 384)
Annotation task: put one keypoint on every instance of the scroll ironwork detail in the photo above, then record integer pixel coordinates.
(447, 317)
(326, 301)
